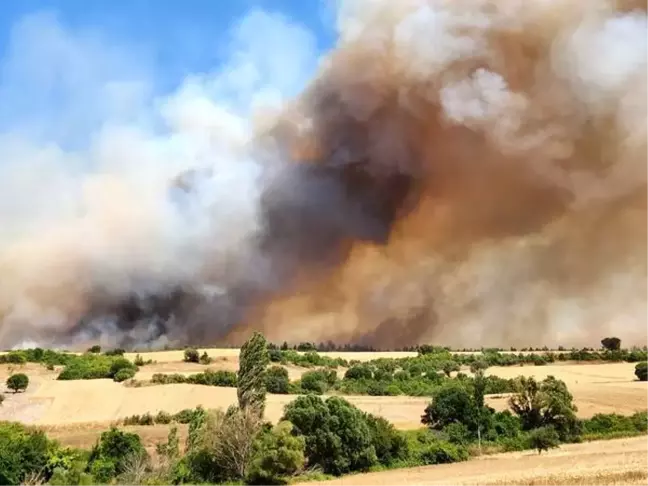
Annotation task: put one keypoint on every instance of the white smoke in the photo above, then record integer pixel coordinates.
(90, 151)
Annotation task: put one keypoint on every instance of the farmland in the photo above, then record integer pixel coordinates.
(76, 412)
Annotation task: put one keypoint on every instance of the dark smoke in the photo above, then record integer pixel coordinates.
(468, 172)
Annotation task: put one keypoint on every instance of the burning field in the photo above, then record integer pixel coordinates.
(468, 172)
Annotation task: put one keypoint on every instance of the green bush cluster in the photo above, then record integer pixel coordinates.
(91, 366)
(208, 377)
(182, 417)
(36, 355)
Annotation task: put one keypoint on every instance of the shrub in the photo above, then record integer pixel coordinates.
(163, 418)
(95, 349)
(124, 374)
(2, 398)
(442, 452)
(274, 355)
(15, 358)
(317, 381)
(543, 439)
(115, 352)
(110, 456)
(18, 382)
(17, 457)
(358, 372)
(205, 359)
(641, 371)
(277, 455)
(139, 361)
(390, 445)
(338, 438)
(191, 355)
(276, 380)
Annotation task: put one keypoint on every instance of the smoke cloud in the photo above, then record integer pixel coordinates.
(467, 172)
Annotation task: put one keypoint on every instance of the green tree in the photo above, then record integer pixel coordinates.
(543, 439)
(23, 451)
(338, 438)
(641, 371)
(253, 360)
(545, 404)
(18, 382)
(390, 445)
(278, 454)
(611, 343)
(276, 380)
(451, 403)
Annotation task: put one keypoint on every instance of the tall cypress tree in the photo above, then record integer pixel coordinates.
(253, 360)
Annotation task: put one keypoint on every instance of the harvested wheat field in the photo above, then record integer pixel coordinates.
(620, 461)
(597, 388)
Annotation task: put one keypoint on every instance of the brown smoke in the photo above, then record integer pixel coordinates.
(466, 172)
(515, 174)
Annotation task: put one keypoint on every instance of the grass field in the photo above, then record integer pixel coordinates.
(77, 412)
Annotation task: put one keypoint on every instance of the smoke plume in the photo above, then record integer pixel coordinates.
(467, 172)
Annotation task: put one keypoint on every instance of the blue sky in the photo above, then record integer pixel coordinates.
(57, 57)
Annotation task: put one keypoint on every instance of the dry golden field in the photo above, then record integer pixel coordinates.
(620, 461)
(76, 412)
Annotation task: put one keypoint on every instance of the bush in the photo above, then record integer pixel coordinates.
(278, 454)
(276, 380)
(124, 374)
(317, 381)
(115, 352)
(641, 371)
(441, 452)
(191, 355)
(338, 438)
(111, 455)
(451, 403)
(205, 359)
(543, 439)
(23, 451)
(18, 382)
(139, 361)
(15, 358)
(163, 418)
(94, 366)
(358, 372)
(390, 445)
(2, 398)
(95, 349)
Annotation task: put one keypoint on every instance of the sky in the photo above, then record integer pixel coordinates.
(59, 57)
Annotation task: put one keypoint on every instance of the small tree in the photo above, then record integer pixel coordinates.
(18, 382)
(94, 349)
(191, 355)
(253, 360)
(547, 403)
(478, 365)
(2, 398)
(543, 439)
(451, 403)
(205, 359)
(641, 371)
(611, 343)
